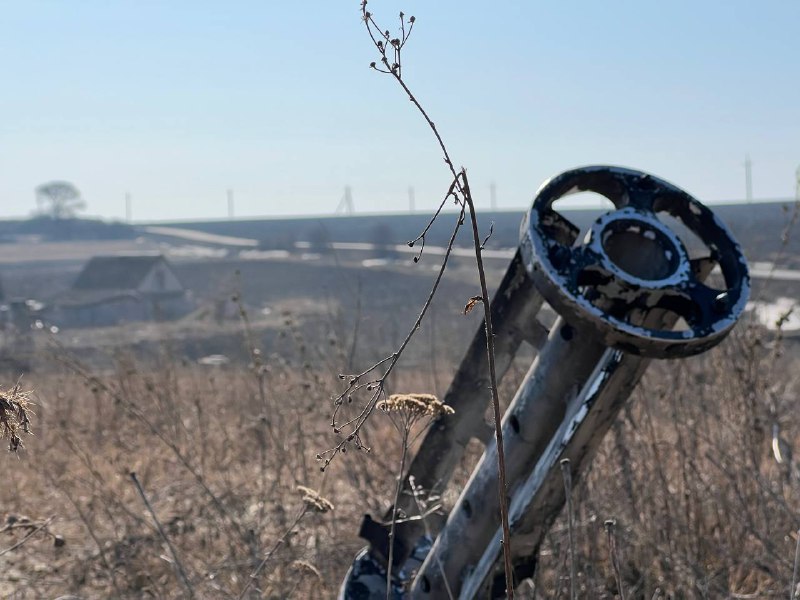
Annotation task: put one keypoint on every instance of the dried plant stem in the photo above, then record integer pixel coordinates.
(423, 511)
(610, 526)
(498, 423)
(120, 397)
(461, 191)
(793, 591)
(84, 519)
(272, 551)
(398, 488)
(178, 565)
(356, 382)
(30, 534)
(566, 473)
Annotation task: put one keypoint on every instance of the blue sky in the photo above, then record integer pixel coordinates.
(176, 102)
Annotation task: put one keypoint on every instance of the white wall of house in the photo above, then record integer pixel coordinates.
(160, 280)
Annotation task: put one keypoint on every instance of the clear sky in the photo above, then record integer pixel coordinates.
(177, 101)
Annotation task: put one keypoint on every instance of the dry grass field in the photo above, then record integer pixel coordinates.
(223, 455)
(149, 475)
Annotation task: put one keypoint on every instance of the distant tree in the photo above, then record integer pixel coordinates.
(59, 200)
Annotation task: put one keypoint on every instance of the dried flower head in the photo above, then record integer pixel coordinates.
(15, 415)
(305, 566)
(418, 405)
(313, 500)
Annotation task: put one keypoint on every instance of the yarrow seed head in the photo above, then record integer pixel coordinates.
(421, 405)
(314, 501)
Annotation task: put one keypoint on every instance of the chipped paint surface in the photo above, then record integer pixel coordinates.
(619, 292)
(571, 276)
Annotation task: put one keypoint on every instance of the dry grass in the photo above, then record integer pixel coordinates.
(226, 458)
(702, 508)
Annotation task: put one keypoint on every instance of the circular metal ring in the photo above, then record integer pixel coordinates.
(631, 267)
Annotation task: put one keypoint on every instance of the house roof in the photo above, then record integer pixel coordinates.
(116, 272)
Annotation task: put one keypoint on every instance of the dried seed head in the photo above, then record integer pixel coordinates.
(304, 565)
(313, 500)
(14, 416)
(420, 405)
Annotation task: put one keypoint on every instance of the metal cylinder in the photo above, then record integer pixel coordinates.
(556, 376)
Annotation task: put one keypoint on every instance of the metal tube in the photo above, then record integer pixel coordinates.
(538, 501)
(556, 377)
(514, 309)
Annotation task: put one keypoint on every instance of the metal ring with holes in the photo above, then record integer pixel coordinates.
(631, 263)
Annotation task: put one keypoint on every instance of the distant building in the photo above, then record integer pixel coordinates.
(111, 290)
(17, 317)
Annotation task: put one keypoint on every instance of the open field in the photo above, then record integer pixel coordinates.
(222, 451)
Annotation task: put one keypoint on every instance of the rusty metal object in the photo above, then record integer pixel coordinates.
(619, 293)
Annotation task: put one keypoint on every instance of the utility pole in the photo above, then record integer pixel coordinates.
(411, 199)
(493, 196)
(345, 206)
(797, 185)
(128, 207)
(230, 203)
(748, 178)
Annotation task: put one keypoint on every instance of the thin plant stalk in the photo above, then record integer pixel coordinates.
(423, 512)
(461, 190)
(178, 565)
(793, 591)
(566, 473)
(28, 536)
(272, 551)
(498, 422)
(610, 526)
(398, 488)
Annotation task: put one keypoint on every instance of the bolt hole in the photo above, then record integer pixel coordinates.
(514, 422)
(425, 584)
(567, 332)
(467, 508)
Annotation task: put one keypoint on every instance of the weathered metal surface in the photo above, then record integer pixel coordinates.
(537, 501)
(573, 278)
(514, 309)
(619, 293)
(533, 417)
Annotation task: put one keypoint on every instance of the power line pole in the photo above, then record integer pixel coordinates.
(493, 196)
(230, 203)
(748, 178)
(797, 185)
(346, 206)
(128, 207)
(411, 199)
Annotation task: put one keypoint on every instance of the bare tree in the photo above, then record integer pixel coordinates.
(59, 199)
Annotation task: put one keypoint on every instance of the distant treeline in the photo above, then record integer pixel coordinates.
(48, 228)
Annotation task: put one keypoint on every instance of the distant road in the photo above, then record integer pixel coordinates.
(758, 270)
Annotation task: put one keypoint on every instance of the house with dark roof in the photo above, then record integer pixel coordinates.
(111, 290)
